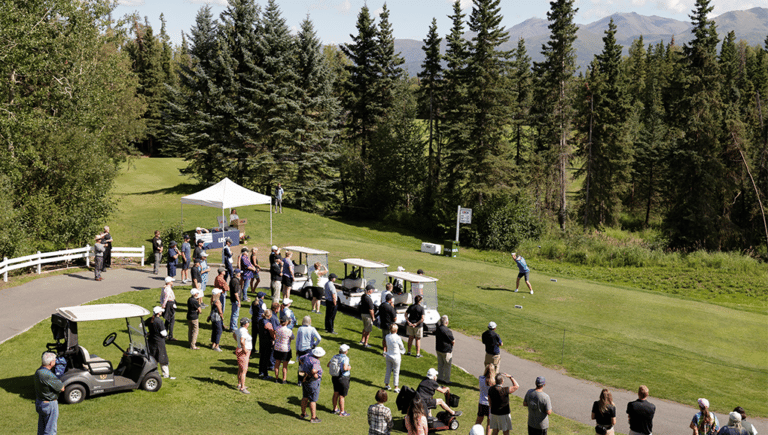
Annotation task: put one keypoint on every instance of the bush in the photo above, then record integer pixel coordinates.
(503, 223)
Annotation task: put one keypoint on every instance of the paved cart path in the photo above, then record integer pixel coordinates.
(28, 304)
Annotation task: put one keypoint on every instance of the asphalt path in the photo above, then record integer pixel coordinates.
(32, 302)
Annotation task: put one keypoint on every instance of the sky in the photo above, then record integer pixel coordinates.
(334, 20)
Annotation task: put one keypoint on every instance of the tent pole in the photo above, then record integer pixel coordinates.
(182, 214)
(270, 223)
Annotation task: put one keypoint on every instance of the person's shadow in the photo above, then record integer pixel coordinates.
(21, 386)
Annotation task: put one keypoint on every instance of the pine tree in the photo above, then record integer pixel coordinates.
(456, 131)
(522, 80)
(606, 151)
(699, 185)
(431, 104)
(316, 134)
(490, 98)
(553, 94)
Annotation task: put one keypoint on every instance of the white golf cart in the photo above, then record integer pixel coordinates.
(412, 285)
(303, 264)
(358, 274)
(86, 375)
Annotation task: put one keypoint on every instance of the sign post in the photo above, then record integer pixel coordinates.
(463, 216)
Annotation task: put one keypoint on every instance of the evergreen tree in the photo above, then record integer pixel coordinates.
(317, 146)
(455, 128)
(522, 80)
(490, 99)
(553, 94)
(698, 217)
(606, 151)
(431, 104)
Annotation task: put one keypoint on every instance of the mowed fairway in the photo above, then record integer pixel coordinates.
(621, 337)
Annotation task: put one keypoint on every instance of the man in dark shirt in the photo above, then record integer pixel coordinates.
(444, 342)
(426, 390)
(197, 277)
(198, 253)
(234, 298)
(366, 314)
(493, 344)
(387, 316)
(275, 275)
(414, 319)
(193, 314)
(157, 249)
(640, 413)
(107, 241)
(47, 389)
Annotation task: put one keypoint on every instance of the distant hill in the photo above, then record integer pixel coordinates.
(750, 25)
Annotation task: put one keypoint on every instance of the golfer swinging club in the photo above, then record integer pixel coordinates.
(524, 271)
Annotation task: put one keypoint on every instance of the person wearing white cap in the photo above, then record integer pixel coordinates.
(286, 311)
(523, 271)
(339, 369)
(204, 270)
(288, 273)
(310, 385)
(193, 315)
(493, 344)
(749, 427)
(217, 319)
(168, 304)
(734, 426)
(704, 422)
(243, 352)
(156, 335)
(276, 276)
(426, 390)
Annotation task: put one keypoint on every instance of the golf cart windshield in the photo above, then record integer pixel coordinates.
(428, 290)
(375, 277)
(136, 334)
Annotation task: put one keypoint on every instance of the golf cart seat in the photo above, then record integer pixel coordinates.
(96, 365)
(402, 299)
(354, 285)
(300, 270)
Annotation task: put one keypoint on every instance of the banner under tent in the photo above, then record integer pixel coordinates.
(226, 194)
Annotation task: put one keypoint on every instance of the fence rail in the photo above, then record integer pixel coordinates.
(40, 258)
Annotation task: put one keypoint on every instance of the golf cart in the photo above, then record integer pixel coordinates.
(303, 264)
(412, 285)
(84, 374)
(359, 273)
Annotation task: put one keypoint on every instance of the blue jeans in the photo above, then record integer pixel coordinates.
(233, 318)
(244, 291)
(49, 415)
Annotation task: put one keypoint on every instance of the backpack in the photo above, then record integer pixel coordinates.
(336, 365)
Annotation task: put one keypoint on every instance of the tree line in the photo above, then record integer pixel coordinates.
(670, 136)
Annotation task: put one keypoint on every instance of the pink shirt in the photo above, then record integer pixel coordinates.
(283, 338)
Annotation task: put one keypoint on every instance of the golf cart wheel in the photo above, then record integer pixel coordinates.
(307, 292)
(74, 393)
(152, 382)
(454, 424)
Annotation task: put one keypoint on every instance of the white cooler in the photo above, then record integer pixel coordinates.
(431, 248)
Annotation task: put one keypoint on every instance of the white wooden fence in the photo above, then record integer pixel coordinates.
(39, 259)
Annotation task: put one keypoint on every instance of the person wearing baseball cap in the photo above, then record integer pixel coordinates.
(234, 298)
(173, 258)
(426, 390)
(193, 315)
(367, 315)
(216, 317)
(310, 385)
(539, 407)
(168, 304)
(186, 257)
(331, 303)
(340, 379)
(287, 312)
(156, 335)
(493, 344)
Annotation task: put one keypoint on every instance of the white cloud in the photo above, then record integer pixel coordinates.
(673, 6)
(344, 6)
(377, 12)
(464, 3)
(208, 2)
(130, 2)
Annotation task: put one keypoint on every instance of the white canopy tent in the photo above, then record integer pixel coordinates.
(226, 194)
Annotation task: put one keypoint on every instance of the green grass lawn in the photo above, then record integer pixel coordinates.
(618, 335)
(203, 398)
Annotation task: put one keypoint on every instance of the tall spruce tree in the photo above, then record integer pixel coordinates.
(553, 94)
(522, 80)
(606, 152)
(431, 105)
(457, 135)
(700, 189)
(316, 141)
(490, 98)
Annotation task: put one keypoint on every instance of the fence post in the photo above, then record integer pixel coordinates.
(143, 254)
(5, 275)
(39, 268)
(87, 255)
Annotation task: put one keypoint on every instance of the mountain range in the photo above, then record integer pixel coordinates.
(750, 25)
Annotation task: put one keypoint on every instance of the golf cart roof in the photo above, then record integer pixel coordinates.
(410, 277)
(86, 313)
(359, 262)
(303, 250)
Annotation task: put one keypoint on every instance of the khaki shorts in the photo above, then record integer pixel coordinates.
(367, 323)
(416, 332)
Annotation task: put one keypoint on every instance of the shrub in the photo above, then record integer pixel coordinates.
(503, 223)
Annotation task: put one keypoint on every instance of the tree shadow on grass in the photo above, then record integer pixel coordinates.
(20, 385)
(179, 189)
